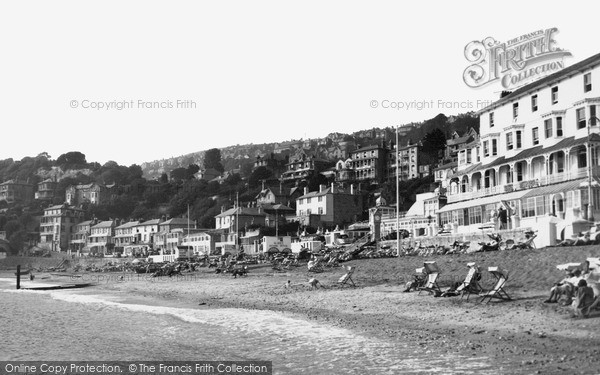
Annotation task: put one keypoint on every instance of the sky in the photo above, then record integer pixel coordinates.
(139, 81)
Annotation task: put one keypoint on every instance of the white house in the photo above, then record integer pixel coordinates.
(534, 155)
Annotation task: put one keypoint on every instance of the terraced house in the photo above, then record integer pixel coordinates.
(537, 157)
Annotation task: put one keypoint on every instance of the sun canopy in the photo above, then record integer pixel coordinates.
(484, 201)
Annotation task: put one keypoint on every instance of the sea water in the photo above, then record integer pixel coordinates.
(88, 325)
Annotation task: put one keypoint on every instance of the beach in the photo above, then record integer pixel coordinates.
(440, 335)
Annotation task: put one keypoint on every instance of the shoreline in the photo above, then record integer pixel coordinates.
(524, 335)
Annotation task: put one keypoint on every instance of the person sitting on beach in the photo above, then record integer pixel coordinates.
(582, 239)
(584, 299)
(418, 281)
(565, 287)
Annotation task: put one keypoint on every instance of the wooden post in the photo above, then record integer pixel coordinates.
(19, 277)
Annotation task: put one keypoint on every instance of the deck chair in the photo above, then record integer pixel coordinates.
(498, 290)
(347, 277)
(431, 284)
(315, 265)
(471, 283)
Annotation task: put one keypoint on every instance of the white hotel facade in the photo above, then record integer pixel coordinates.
(538, 148)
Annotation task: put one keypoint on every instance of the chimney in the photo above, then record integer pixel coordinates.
(305, 190)
(222, 209)
(352, 189)
(321, 188)
(332, 188)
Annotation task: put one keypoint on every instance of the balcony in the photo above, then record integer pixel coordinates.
(523, 185)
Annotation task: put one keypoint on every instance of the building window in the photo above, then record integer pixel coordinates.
(593, 117)
(469, 156)
(587, 82)
(474, 215)
(515, 110)
(491, 119)
(582, 158)
(320, 199)
(444, 217)
(320, 210)
(309, 211)
(307, 200)
(509, 141)
(559, 131)
(554, 95)
(528, 208)
(518, 133)
(535, 136)
(534, 106)
(580, 114)
(519, 167)
(548, 128)
(477, 151)
(540, 208)
(494, 147)
(486, 148)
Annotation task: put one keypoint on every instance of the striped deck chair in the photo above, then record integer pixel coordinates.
(315, 265)
(498, 290)
(347, 277)
(471, 283)
(431, 284)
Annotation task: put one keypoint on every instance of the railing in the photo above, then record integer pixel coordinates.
(523, 185)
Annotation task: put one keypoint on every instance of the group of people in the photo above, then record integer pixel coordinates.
(500, 217)
(578, 289)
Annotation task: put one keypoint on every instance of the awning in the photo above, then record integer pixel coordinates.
(484, 200)
(556, 188)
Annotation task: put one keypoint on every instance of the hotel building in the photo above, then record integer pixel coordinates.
(537, 153)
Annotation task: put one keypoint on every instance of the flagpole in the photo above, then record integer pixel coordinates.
(237, 218)
(397, 197)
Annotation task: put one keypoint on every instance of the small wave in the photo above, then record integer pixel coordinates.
(289, 335)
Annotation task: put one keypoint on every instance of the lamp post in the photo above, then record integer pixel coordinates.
(590, 208)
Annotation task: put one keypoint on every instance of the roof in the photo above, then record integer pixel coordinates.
(151, 222)
(459, 140)
(548, 80)
(555, 188)
(129, 224)
(367, 148)
(484, 201)
(104, 224)
(467, 170)
(337, 190)
(452, 164)
(247, 211)
(276, 207)
(176, 221)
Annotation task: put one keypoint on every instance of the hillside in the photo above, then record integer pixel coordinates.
(327, 147)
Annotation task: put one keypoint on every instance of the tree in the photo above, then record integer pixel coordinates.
(135, 172)
(212, 159)
(191, 170)
(315, 181)
(259, 174)
(434, 143)
(71, 160)
(179, 174)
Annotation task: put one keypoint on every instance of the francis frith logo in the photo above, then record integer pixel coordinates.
(513, 63)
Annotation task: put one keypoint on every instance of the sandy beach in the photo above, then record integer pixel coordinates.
(524, 334)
